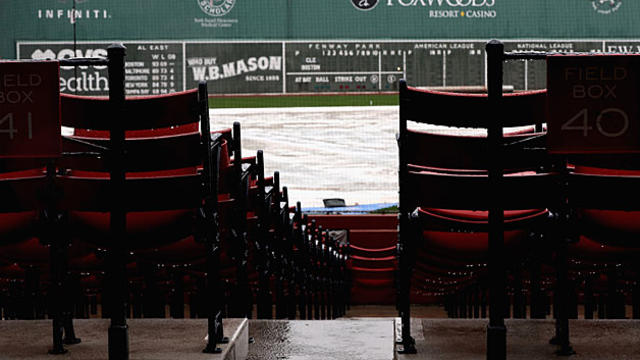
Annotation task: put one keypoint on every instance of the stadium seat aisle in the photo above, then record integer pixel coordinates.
(158, 217)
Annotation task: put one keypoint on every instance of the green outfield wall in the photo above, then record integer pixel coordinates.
(294, 46)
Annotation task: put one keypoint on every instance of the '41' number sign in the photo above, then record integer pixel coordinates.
(30, 109)
(593, 103)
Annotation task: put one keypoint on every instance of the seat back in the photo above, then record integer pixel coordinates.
(140, 113)
(449, 170)
(605, 182)
(464, 110)
(161, 164)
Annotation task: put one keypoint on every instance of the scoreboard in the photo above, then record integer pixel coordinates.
(290, 67)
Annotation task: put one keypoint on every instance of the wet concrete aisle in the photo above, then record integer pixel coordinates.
(353, 339)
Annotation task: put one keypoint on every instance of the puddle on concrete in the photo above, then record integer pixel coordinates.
(271, 340)
(327, 340)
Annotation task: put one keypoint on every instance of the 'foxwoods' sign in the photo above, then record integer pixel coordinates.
(482, 9)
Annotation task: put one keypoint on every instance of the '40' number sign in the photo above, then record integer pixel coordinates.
(593, 103)
(29, 109)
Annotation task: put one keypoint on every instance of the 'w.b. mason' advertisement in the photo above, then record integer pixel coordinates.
(230, 67)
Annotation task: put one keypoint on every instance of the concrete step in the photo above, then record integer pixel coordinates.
(354, 222)
(350, 339)
(461, 339)
(149, 339)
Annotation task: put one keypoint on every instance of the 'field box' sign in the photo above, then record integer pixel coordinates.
(593, 103)
(30, 109)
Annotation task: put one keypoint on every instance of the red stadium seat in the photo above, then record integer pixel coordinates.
(169, 193)
(444, 186)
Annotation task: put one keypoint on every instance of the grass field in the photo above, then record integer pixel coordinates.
(302, 100)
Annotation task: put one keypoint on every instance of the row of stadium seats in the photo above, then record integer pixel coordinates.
(570, 222)
(372, 264)
(147, 207)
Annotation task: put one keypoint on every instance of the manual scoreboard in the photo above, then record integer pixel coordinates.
(290, 67)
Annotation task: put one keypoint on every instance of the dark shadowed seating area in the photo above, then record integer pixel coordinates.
(148, 212)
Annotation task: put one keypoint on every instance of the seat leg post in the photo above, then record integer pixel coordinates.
(118, 341)
(483, 303)
(58, 346)
(214, 305)
(69, 332)
(496, 331)
(118, 333)
(562, 320)
(71, 290)
(329, 303)
(323, 299)
(407, 258)
(476, 303)
(588, 298)
(518, 295)
(316, 299)
(292, 303)
(302, 304)
(612, 294)
(470, 299)
(265, 301)
(537, 310)
(602, 308)
(310, 299)
(462, 296)
(636, 295)
(56, 300)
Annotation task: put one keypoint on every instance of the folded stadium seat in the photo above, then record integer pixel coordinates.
(373, 238)
(372, 252)
(281, 245)
(19, 219)
(169, 188)
(372, 249)
(606, 227)
(151, 232)
(298, 267)
(472, 246)
(27, 241)
(146, 230)
(372, 285)
(600, 223)
(236, 181)
(321, 271)
(188, 251)
(472, 242)
(371, 242)
(12, 280)
(32, 252)
(233, 214)
(373, 262)
(444, 193)
(265, 196)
